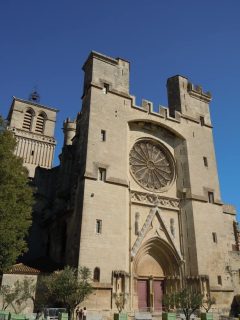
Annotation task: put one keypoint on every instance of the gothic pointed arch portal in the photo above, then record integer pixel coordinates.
(157, 270)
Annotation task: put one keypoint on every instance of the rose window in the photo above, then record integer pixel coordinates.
(151, 165)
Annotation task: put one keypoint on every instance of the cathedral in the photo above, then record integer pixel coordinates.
(136, 195)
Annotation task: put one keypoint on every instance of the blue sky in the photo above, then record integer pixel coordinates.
(45, 43)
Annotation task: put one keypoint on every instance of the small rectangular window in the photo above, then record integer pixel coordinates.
(105, 88)
(219, 278)
(102, 174)
(103, 135)
(214, 235)
(202, 122)
(205, 161)
(98, 226)
(210, 197)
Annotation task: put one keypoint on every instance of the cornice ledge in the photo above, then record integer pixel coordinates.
(221, 289)
(117, 181)
(187, 117)
(111, 180)
(99, 285)
(201, 198)
(229, 209)
(111, 90)
(90, 175)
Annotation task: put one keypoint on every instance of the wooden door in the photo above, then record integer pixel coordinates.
(157, 294)
(142, 290)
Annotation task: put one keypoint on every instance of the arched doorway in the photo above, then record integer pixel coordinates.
(155, 262)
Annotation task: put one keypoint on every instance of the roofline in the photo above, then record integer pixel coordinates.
(35, 104)
(103, 57)
(178, 75)
(23, 269)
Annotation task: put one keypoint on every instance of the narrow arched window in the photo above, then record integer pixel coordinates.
(28, 119)
(96, 274)
(172, 228)
(40, 123)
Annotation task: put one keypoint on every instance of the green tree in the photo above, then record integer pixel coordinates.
(17, 295)
(8, 295)
(68, 287)
(169, 301)
(188, 302)
(16, 201)
(120, 300)
(208, 302)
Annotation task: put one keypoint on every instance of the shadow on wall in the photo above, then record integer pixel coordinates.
(235, 306)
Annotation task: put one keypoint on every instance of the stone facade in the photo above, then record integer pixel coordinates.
(136, 196)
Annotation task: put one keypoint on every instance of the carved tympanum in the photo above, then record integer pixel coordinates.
(151, 165)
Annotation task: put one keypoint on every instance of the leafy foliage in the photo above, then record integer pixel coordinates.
(169, 301)
(208, 302)
(120, 300)
(188, 302)
(69, 287)
(17, 295)
(185, 300)
(16, 201)
(8, 296)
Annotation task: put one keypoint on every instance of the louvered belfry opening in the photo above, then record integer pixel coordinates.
(27, 120)
(40, 123)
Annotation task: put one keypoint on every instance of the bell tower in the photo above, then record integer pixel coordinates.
(33, 126)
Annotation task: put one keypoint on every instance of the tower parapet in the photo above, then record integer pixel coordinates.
(197, 92)
(69, 130)
(107, 73)
(188, 99)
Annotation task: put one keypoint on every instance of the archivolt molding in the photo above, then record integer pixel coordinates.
(154, 199)
(163, 253)
(145, 228)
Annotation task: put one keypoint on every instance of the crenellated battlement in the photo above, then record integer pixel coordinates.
(162, 112)
(197, 92)
(188, 99)
(69, 123)
(112, 76)
(194, 111)
(69, 130)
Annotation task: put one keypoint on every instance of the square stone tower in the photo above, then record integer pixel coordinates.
(33, 126)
